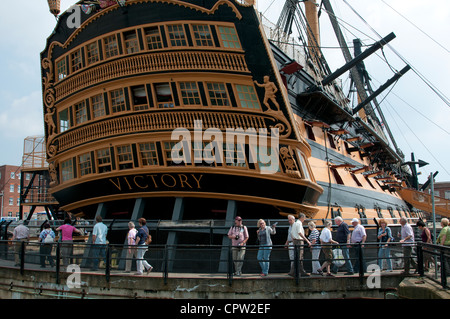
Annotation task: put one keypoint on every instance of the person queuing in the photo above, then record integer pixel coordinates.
(20, 234)
(67, 231)
(46, 238)
(384, 252)
(265, 245)
(141, 243)
(343, 237)
(358, 236)
(296, 236)
(407, 239)
(326, 240)
(239, 237)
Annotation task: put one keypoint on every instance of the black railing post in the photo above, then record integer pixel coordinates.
(230, 265)
(443, 269)
(420, 260)
(58, 261)
(296, 263)
(166, 264)
(22, 257)
(361, 264)
(107, 263)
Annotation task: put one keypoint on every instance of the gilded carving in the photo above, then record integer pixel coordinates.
(49, 103)
(289, 163)
(53, 174)
(270, 90)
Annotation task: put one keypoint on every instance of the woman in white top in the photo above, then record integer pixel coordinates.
(325, 240)
(131, 249)
(315, 246)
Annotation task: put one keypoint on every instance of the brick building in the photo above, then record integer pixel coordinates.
(442, 189)
(10, 190)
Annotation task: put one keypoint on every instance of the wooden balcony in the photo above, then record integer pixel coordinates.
(149, 63)
(162, 120)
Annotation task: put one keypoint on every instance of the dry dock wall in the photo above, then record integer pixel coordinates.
(42, 284)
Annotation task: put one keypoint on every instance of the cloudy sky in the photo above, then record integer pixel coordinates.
(418, 118)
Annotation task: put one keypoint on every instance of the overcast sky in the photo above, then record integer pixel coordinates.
(418, 118)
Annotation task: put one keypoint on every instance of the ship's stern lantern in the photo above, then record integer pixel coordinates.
(54, 6)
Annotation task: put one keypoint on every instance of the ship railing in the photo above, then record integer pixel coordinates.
(217, 260)
(158, 226)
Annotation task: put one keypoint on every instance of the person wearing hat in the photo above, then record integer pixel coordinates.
(358, 237)
(239, 237)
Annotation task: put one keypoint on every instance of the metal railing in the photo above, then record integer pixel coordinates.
(214, 259)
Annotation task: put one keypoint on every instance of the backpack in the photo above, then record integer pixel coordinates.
(48, 238)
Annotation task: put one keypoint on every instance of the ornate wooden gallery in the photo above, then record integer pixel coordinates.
(136, 80)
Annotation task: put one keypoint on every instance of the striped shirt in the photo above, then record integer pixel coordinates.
(314, 235)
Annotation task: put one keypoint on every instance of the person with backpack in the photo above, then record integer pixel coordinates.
(143, 239)
(46, 237)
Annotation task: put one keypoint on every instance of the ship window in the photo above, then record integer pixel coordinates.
(310, 132)
(67, 170)
(139, 98)
(153, 38)
(64, 123)
(168, 146)
(229, 37)
(331, 141)
(247, 97)
(234, 155)
(356, 180)
(84, 163)
(117, 101)
(391, 212)
(202, 35)
(176, 35)
(189, 93)
(336, 175)
(362, 214)
(131, 42)
(111, 47)
(92, 52)
(148, 153)
(98, 105)
(218, 94)
(104, 160)
(399, 212)
(379, 214)
(76, 60)
(124, 157)
(61, 69)
(80, 112)
(368, 181)
(163, 95)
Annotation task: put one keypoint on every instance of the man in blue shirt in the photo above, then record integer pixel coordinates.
(99, 241)
(343, 237)
(142, 247)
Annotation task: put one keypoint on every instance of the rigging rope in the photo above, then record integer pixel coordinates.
(416, 26)
(426, 81)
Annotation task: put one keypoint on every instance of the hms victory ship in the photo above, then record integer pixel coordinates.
(198, 110)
